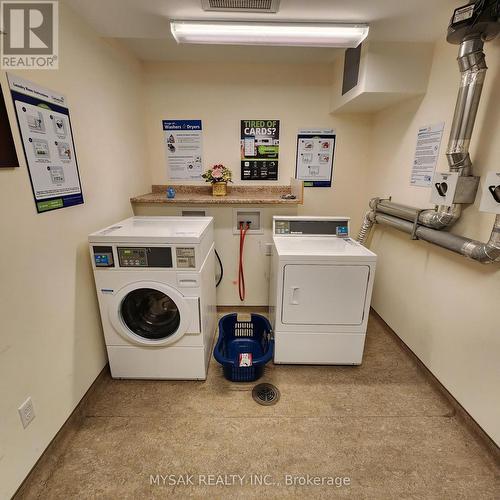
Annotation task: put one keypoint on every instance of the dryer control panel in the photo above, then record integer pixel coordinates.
(311, 226)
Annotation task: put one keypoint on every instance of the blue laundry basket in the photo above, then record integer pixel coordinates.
(240, 340)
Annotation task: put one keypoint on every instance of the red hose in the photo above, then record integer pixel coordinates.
(241, 273)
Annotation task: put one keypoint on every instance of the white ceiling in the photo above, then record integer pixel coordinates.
(143, 25)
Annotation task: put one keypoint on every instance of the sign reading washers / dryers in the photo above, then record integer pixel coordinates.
(183, 146)
(259, 146)
(490, 199)
(315, 154)
(45, 127)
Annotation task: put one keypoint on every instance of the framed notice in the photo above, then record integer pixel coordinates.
(315, 155)
(259, 146)
(183, 147)
(45, 127)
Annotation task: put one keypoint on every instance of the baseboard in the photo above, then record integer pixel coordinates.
(459, 411)
(64, 434)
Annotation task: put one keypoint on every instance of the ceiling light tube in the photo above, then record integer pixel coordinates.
(261, 33)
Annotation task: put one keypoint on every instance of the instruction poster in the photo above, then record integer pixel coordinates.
(315, 154)
(183, 146)
(426, 154)
(259, 146)
(45, 127)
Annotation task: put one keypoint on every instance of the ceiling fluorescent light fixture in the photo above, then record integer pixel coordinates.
(262, 33)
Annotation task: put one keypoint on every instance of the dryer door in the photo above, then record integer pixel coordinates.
(324, 294)
(150, 313)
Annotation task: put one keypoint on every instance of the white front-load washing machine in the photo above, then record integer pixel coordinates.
(155, 281)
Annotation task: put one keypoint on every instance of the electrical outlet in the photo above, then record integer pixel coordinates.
(27, 412)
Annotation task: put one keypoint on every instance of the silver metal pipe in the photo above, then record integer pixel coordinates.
(427, 224)
(397, 209)
(485, 253)
(435, 218)
(441, 217)
(366, 225)
(472, 65)
(395, 222)
(368, 221)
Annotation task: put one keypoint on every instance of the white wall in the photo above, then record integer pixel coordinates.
(444, 307)
(223, 94)
(51, 344)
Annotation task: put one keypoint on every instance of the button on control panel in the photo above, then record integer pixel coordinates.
(133, 257)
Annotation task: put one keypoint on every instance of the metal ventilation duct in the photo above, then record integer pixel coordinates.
(470, 26)
(263, 6)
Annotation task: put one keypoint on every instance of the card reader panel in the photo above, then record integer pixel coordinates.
(103, 256)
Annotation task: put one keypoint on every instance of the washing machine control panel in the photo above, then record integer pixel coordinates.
(145, 256)
(133, 257)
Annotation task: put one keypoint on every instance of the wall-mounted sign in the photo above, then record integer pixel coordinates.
(45, 127)
(444, 185)
(183, 146)
(315, 154)
(259, 146)
(426, 154)
(490, 198)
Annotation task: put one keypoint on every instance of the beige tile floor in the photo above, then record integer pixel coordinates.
(382, 425)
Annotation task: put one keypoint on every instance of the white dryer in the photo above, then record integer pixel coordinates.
(321, 286)
(155, 280)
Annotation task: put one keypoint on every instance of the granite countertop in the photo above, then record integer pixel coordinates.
(237, 195)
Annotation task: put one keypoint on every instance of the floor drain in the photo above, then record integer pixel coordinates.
(266, 394)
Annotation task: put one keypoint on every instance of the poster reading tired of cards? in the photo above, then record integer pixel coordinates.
(45, 127)
(183, 146)
(315, 153)
(259, 145)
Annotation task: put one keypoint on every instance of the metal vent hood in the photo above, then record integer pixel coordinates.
(263, 6)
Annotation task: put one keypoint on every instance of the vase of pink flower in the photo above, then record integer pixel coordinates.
(218, 176)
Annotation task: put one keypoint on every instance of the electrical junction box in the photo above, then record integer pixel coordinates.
(450, 187)
(490, 198)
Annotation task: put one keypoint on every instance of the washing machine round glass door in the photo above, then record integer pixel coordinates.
(150, 313)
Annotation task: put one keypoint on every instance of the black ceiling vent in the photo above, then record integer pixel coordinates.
(264, 6)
